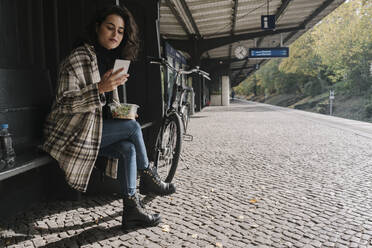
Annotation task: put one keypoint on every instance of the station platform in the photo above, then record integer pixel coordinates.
(255, 175)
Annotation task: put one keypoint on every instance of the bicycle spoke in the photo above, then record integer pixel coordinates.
(169, 148)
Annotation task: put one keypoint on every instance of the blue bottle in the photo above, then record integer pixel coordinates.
(8, 154)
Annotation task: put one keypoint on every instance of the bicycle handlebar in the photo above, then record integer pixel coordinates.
(163, 61)
(197, 71)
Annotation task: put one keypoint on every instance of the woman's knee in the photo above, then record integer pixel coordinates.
(135, 127)
(131, 125)
(127, 148)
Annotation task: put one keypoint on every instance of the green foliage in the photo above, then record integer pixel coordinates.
(303, 59)
(323, 108)
(344, 43)
(341, 87)
(250, 85)
(313, 87)
(268, 75)
(368, 110)
(336, 53)
(287, 83)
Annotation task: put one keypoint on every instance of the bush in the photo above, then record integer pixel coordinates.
(323, 108)
(313, 88)
(287, 83)
(368, 110)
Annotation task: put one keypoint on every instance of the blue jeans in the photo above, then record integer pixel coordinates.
(123, 139)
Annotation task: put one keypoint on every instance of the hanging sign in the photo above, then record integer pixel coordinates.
(272, 52)
(268, 22)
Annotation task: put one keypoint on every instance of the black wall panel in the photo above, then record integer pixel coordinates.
(35, 36)
(22, 34)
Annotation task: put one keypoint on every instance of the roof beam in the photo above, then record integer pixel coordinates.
(177, 16)
(189, 15)
(310, 18)
(282, 8)
(245, 65)
(208, 55)
(218, 69)
(248, 74)
(238, 81)
(208, 44)
(278, 13)
(242, 68)
(204, 45)
(221, 60)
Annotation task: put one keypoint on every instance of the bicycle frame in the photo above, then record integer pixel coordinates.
(177, 99)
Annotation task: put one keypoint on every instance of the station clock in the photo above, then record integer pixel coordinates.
(240, 52)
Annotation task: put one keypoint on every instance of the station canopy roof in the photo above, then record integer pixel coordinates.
(217, 27)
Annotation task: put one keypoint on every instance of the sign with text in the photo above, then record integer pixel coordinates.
(273, 52)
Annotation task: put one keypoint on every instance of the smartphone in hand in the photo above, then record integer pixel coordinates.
(121, 63)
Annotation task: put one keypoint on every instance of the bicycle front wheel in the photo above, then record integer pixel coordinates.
(168, 148)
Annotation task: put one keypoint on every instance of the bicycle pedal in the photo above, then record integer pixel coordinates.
(187, 137)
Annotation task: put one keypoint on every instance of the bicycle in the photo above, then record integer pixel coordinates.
(174, 123)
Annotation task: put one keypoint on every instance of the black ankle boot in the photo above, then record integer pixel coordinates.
(134, 215)
(150, 183)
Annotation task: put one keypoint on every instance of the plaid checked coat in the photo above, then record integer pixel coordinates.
(73, 129)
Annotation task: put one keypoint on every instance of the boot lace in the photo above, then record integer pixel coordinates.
(155, 174)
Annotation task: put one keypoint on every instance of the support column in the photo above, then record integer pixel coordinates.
(216, 95)
(197, 82)
(225, 91)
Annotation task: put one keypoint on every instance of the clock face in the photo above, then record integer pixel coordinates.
(240, 52)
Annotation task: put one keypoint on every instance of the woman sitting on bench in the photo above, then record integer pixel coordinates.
(80, 127)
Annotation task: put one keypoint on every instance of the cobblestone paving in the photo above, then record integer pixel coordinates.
(257, 177)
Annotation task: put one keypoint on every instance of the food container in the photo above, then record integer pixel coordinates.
(123, 110)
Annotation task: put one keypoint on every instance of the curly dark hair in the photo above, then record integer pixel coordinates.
(129, 46)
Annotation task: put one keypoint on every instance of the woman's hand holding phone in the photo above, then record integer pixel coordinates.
(111, 80)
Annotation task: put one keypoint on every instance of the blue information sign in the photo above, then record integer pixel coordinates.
(274, 52)
(268, 22)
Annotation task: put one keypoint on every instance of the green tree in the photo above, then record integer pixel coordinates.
(303, 59)
(248, 86)
(268, 74)
(343, 40)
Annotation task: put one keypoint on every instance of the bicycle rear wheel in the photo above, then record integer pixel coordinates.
(168, 148)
